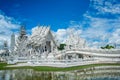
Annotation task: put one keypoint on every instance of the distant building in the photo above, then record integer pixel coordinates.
(12, 45)
(6, 48)
(4, 54)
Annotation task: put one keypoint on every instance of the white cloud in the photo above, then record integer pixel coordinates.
(97, 30)
(99, 27)
(62, 34)
(106, 30)
(106, 6)
(7, 25)
(115, 38)
(6, 22)
(100, 31)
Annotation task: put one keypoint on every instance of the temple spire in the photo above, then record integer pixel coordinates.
(22, 31)
(22, 34)
(21, 43)
(5, 45)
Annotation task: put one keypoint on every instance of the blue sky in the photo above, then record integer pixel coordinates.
(98, 21)
(57, 13)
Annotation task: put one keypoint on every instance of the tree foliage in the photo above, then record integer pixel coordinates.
(108, 47)
(61, 47)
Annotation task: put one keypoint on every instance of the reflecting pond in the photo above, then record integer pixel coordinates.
(92, 73)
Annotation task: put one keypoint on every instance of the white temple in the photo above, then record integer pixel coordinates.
(41, 42)
(41, 47)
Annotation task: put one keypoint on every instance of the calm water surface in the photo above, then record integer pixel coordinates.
(93, 73)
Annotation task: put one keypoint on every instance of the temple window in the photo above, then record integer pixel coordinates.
(45, 48)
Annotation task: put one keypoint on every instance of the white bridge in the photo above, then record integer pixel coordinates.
(93, 56)
(96, 52)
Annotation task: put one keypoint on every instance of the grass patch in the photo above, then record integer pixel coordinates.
(2, 65)
(46, 68)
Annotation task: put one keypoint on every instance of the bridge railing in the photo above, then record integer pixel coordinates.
(104, 51)
(68, 61)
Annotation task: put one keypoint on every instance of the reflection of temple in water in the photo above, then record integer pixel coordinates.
(91, 73)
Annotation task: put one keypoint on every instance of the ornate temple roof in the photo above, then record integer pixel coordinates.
(40, 31)
(39, 35)
(75, 40)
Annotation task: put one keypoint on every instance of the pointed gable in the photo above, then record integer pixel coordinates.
(39, 35)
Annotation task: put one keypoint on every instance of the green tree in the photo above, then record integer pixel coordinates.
(61, 47)
(108, 47)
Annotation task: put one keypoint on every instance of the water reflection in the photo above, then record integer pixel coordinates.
(93, 73)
